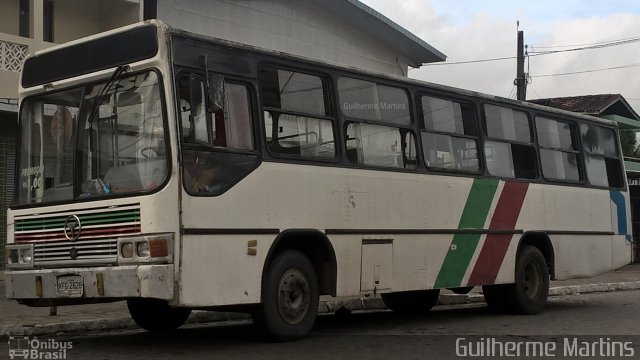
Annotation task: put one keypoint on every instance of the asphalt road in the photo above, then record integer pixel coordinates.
(601, 318)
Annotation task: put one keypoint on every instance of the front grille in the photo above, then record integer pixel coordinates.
(96, 245)
(100, 251)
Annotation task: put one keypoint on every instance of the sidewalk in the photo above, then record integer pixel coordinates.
(17, 319)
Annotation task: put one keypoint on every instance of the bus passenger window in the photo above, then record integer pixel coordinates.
(409, 151)
(295, 92)
(601, 156)
(193, 110)
(237, 118)
(375, 145)
(298, 119)
(360, 99)
(300, 135)
(509, 151)
(228, 127)
(559, 151)
(449, 137)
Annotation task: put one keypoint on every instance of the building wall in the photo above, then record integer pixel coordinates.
(9, 84)
(296, 27)
(9, 73)
(77, 19)
(8, 133)
(115, 15)
(10, 17)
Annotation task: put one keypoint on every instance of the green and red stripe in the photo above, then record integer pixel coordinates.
(474, 216)
(495, 245)
(463, 246)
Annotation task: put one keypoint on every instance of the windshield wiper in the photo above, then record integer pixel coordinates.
(103, 93)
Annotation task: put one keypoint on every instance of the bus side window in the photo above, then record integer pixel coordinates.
(185, 114)
(559, 151)
(234, 129)
(377, 145)
(601, 156)
(229, 126)
(297, 116)
(193, 114)
(509, 152)
(449, 138)
(409, 150)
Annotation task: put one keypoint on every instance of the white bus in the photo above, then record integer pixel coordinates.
(179, 172)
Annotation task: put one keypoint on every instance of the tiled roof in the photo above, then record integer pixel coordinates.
(588, 104)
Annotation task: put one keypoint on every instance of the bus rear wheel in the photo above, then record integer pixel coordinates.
(411, 302)
(531, 289)
(156, 315)
(290, 298)
(528, 295)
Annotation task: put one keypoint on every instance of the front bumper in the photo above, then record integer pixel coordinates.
(39, 287)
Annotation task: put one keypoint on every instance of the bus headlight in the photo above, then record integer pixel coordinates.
(25, 256)
(143, 249)
(154, 248)
(126, 250)
(12, 257)
(19, 256)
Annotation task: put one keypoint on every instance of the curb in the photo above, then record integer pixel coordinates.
(326, 307)
(593, 288)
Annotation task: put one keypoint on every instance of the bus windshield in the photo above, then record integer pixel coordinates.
(102, 140)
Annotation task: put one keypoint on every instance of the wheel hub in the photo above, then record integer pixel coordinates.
(532, 281)
(294, 296)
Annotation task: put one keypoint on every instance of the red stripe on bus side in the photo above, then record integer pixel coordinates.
(495, 245)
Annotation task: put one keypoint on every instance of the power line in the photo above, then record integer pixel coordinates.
(587, 71)
(540, 53)
(591, 47)
(580, 45)
(470, 61)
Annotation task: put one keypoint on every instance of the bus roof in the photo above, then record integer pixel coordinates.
(163, 27)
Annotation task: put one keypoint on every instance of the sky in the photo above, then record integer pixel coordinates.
(467, 30)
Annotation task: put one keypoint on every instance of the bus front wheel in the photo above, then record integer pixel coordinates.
(156, 315)
(290, 297)
(411, 302)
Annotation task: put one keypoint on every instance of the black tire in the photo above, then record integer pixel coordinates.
(156, 315)
(411, 302)
(289, 298)
(530, 292)
(528, 295)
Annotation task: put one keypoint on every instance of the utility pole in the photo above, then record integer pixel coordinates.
(521, 77)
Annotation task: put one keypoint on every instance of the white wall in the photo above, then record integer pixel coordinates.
(76, 19)
(9, 17)
(296, 27)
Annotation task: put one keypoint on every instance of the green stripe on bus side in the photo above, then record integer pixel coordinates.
(463, 246)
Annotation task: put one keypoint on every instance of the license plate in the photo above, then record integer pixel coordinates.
(70, 285)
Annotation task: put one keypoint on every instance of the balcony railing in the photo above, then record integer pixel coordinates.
(12, 56)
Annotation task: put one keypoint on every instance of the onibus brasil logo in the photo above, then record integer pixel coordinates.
(24, 347)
